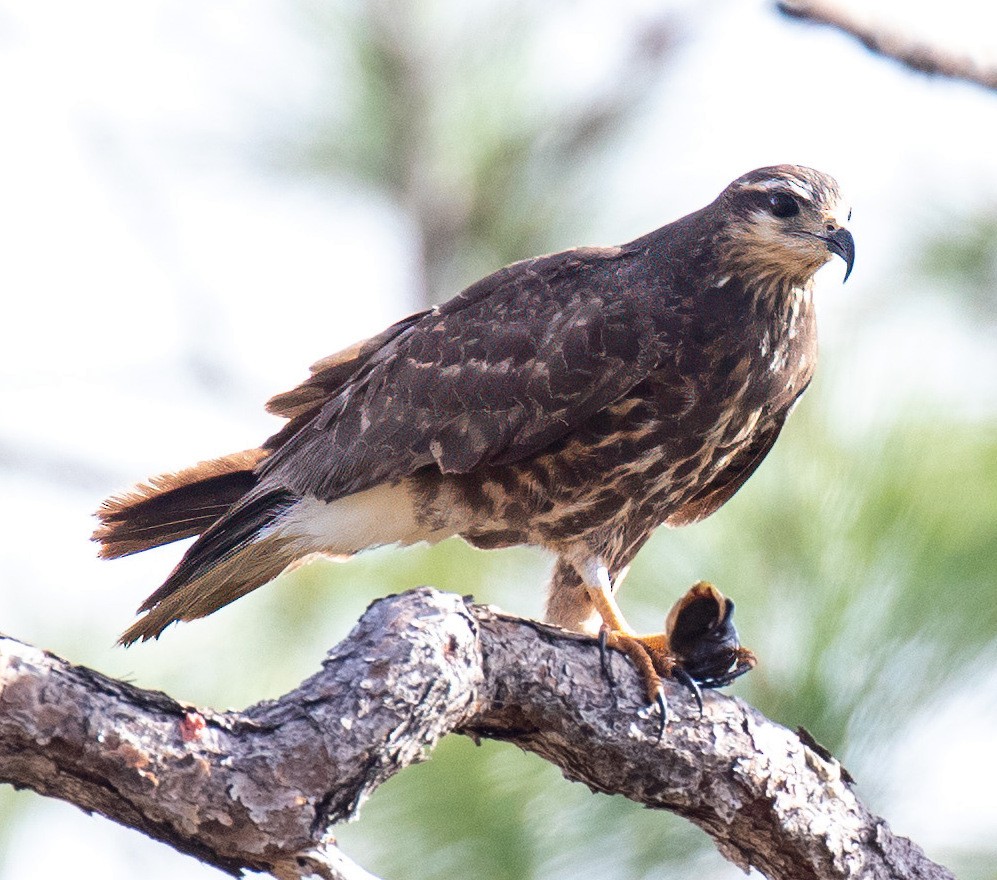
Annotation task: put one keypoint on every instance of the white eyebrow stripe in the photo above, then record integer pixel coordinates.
(800, 188)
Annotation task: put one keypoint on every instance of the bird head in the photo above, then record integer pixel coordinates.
(785, 222)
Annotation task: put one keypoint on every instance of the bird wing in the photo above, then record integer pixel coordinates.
(495, 375)
(331, 373)
(722, 487)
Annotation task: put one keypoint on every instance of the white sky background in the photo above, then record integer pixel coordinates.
(147, 258)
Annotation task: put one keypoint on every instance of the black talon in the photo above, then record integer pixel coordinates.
(605, 657)
(679, 674)
(659, 699)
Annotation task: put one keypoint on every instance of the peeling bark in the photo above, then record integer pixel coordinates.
(262, 789)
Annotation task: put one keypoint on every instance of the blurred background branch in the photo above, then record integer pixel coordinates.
(919, 55)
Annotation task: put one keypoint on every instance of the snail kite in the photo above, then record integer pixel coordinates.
(574, 401)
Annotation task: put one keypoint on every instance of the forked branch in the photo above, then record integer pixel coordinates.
(262, 789)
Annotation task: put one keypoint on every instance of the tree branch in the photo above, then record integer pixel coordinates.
(261, 789)
(919, 56)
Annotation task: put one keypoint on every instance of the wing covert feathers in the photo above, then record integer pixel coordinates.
(491, 377)
(331, 373)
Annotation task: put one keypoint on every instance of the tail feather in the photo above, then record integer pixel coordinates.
(174, 506)
(233, 557)
(239, 573)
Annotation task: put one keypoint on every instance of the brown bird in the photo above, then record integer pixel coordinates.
(574, 401)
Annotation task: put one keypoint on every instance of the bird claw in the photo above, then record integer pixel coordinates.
(683, 677)
(650, 655)
(663, 708)
(699, 650)
(656, 705)
(604, 656)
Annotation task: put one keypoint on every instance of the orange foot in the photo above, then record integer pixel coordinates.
(699, 648)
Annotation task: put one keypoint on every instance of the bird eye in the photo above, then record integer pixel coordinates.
(783, 205)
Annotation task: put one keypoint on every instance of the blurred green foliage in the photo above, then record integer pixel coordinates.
(963, 258)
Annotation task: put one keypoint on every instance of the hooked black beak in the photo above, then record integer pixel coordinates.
(840, 242)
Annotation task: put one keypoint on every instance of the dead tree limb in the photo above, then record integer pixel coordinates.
(263, 788)
(912, 53)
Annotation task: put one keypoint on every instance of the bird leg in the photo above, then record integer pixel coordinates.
(699, 647)
(650, 654)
